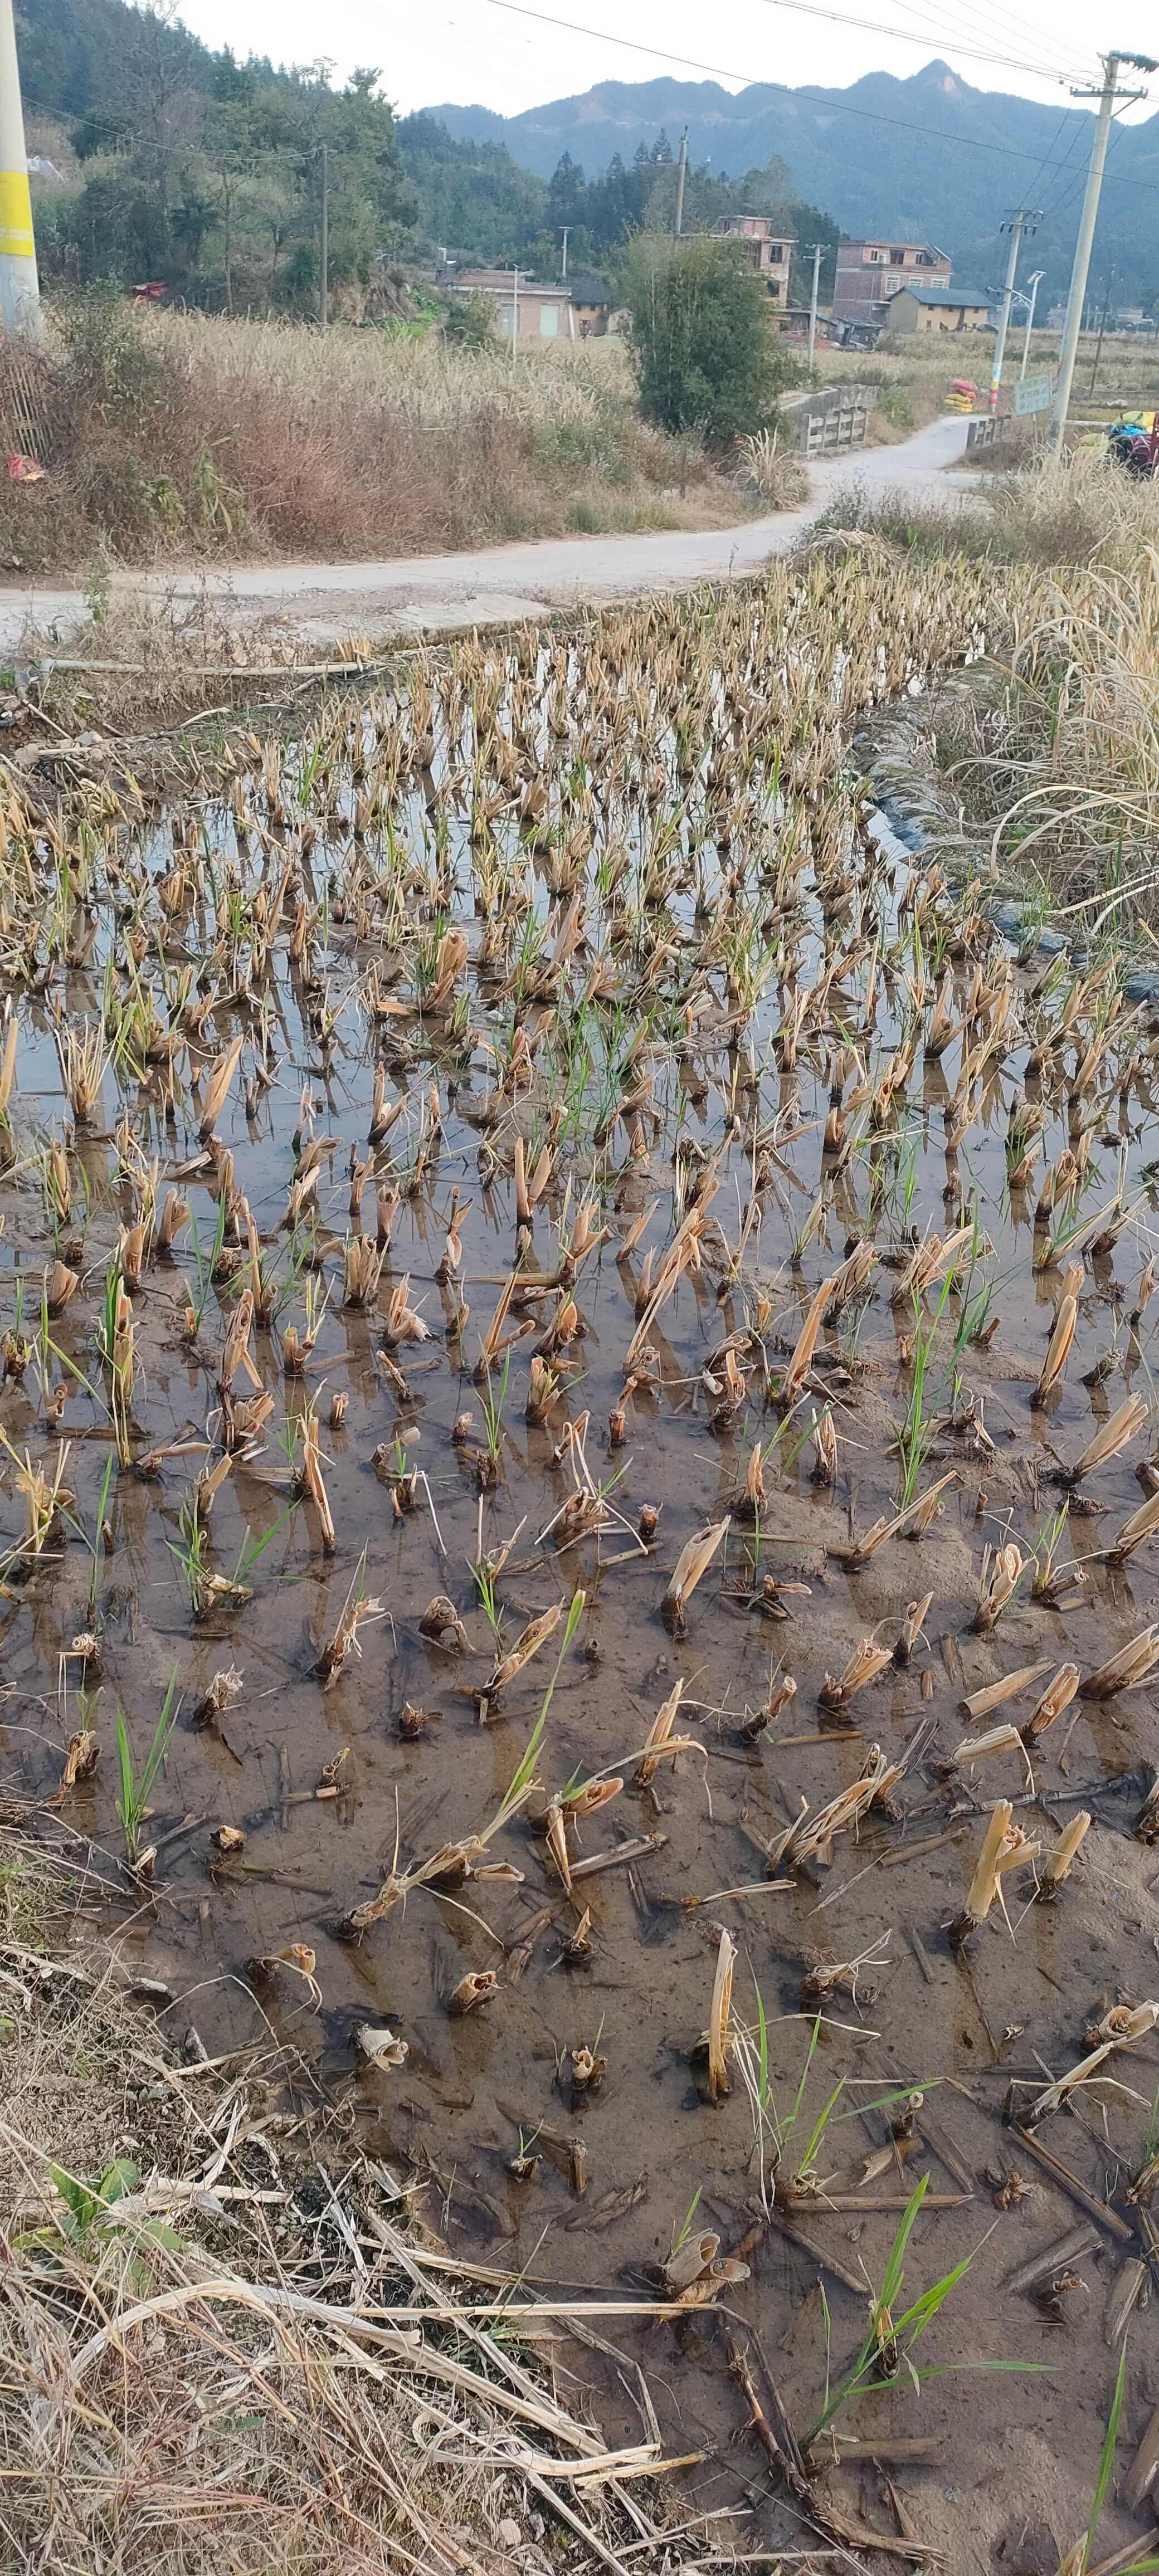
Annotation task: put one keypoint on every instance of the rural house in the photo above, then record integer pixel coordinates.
(576, 308)
(937, 308)
(871, 273)
(766, 250)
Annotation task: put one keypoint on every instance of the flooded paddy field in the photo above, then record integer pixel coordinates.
(579, 1531)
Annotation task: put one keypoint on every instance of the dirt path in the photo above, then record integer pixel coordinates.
(499, 583)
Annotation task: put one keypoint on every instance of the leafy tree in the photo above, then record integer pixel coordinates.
(703, 346)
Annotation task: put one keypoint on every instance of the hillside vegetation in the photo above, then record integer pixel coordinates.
(196, 169)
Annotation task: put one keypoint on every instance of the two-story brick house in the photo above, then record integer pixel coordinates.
(871, 273)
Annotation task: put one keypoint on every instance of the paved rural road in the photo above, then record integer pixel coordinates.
(503, 583)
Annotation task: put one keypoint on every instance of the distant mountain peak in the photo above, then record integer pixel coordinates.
(921, 155)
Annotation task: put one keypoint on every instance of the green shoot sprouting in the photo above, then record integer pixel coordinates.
(1106, 2461)
(892, 2338)
(524, 1772)
(135, 1788)
(681, 2234)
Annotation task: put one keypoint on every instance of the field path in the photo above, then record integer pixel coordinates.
(503, 583)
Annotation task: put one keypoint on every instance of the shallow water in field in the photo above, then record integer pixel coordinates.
(1012, 2454)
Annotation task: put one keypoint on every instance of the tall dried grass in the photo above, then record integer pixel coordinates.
(182, 435)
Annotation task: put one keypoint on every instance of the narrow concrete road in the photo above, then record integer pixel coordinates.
(501, 583)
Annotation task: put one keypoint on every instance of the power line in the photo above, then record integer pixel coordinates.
(901, 35)
(685, 62)
(1019, 30)
(811, 96)
(959, 27)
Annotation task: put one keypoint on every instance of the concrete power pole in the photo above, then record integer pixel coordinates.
(681, 168)
(1022, 216)
(817, 249)
(19, 284)
(1035, 281)
(1107, 98)
(324, 265)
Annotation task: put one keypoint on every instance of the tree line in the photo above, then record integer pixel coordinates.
(204, 173)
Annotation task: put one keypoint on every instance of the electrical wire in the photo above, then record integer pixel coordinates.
(805, 93)
(876, 27)
(958, 27)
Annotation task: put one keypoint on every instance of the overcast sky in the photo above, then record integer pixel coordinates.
(474, 51)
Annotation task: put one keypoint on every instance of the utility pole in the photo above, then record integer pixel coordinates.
(1022, 216)
(563, 271)
(681, 167)
(1102, 328)
(324, 266)
(1035, 281)
(817, 248)
(1107, 97)
(19, 283)
(514, 314)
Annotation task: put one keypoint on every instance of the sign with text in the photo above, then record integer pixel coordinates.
(1034, 393)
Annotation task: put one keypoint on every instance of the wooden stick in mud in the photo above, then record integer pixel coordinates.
(1070, 2184)
(1042, 2267)
(760, 2423)
(824, 2262)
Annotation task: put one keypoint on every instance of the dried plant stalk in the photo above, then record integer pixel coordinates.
(718, 2018)
(810, 1834)
(60, 1284)
(1003, 1846)
(911, 1628)
(535, 1635)
(982, 1748)
(218, 1080)
(1128, 1668)
(981, 1702)
(472, 1990)
(221, 1693)
(865, 1663)
(236, 1353)
(362, 1269)
(927, 1263)
(1130, 2023)
(915, 1519)
(403, 1323)
(1140, 1525)
(80, 1761)
(801, 1357)
(693, 1561)
(658, 1734)
(1061, 1336)
(997, 1584)
(312, 1481)
(441, 1620)
(1110, 1437)
(174, 1214)
(824, 1439)
(1057, 1696)
(1057, 1865)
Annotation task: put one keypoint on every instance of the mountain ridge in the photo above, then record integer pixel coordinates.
(876, 154)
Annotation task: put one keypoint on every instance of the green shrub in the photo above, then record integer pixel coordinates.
(469, 321)
(705, 353)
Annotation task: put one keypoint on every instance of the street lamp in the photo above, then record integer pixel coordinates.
(1036, 278)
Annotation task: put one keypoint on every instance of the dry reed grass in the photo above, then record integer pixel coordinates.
(226, 437)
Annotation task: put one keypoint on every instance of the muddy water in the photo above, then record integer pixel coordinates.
(1014, 2455)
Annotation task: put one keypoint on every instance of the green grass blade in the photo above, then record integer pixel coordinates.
(1106, 2460)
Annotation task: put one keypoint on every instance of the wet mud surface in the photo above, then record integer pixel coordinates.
(684, 950)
